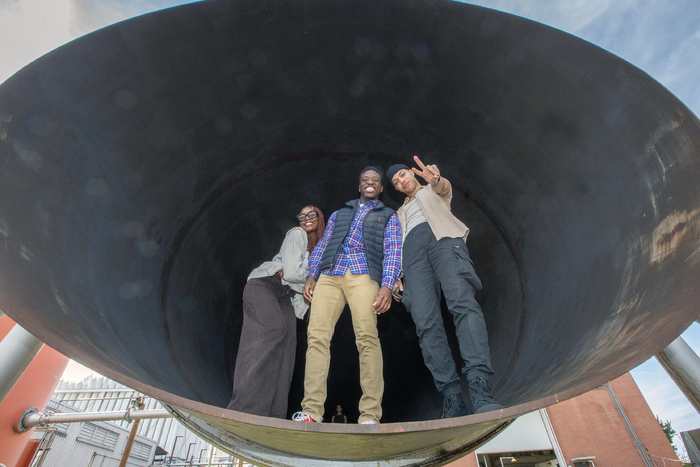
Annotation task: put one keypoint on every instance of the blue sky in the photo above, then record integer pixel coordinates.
(658, 36)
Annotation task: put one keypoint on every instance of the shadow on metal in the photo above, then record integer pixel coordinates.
(148, 167)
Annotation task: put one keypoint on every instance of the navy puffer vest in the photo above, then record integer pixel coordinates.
(372, 233)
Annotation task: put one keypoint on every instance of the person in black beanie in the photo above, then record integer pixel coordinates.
(434, 257)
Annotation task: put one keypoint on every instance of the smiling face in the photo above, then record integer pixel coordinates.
(370, 185)
(308, 224)
(405, 181)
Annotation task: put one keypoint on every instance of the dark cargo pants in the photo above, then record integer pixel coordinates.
(428, 265)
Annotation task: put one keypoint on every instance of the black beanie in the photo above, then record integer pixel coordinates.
(393, 170)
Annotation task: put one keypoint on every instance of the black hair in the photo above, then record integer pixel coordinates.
(371, 167)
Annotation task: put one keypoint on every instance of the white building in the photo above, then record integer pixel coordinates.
(88, 443)
(101, 444)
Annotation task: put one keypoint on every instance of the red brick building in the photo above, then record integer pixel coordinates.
(611, 426)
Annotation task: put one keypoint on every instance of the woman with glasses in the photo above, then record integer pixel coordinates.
(272, 300)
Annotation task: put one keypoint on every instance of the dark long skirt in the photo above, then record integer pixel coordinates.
(265, 362)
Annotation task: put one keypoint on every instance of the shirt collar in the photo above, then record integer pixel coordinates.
(405, 201)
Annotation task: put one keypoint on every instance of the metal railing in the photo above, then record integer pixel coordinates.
(101, 460)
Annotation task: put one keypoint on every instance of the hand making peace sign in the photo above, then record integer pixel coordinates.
(429, 173)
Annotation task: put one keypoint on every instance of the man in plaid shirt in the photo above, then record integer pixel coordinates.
(357, 261)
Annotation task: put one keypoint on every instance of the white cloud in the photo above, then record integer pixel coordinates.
(659, 37)
(32, 28)
(11, 5)
(571, 16)
(29, 29)
(77, 372)
(90, 15)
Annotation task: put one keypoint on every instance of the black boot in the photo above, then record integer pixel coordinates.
(480, 393)
(454, 406)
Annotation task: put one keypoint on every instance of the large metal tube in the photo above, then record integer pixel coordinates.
(147, 168)
(683, 366)
(17, 350)
(690, 441)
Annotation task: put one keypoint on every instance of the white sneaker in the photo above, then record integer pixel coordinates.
(303, 417)
(370, 422)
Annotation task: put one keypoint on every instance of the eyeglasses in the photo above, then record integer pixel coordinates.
(311, 215)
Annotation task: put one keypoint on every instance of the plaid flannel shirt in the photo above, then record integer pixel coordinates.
(352, 252)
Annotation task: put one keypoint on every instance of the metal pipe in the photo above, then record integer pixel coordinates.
(34, 419)
(104, 458)
(211, 455)
(17, 351)
(691, 448)
(125, 398)
(188, 450)
(552, 437)
(635, 439)
(99, 398)
(132, 434)
(172, 453)
(45, 443)
(683, 366)
(201, 464)
(81, 390)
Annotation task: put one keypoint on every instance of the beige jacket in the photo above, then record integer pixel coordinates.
(437, 211)
(293, 260)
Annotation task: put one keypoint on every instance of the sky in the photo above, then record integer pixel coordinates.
(660, 37)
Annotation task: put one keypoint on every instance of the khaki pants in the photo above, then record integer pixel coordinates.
(330, 296)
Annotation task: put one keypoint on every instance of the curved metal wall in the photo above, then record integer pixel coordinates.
(148, 167)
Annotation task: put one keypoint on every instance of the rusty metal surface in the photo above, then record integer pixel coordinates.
(146, 168)
(415, 444)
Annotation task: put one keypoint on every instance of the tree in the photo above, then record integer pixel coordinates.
(668, 431)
